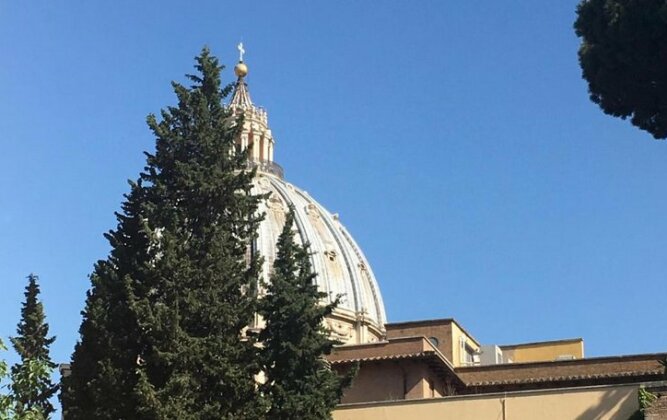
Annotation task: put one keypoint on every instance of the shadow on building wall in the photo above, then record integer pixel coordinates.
(624, 406)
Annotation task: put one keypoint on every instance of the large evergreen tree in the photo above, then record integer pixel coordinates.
(31, 377)
(162, 335)
(623, 57)
(299, 383)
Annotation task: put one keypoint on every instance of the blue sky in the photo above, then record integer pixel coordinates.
(455, 139)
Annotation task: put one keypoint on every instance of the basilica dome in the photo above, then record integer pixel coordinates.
(341, 267)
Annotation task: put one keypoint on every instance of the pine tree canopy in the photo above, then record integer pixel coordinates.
(31, 377)
(623, 57)
(299, 383)
(162, 335)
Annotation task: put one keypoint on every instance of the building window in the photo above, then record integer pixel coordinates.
(469, 356)
(434, 341)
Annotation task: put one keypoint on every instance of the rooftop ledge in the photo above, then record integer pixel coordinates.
(267, 167)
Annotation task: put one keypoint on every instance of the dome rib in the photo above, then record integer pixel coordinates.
(349, 264)
(306, 234)
(375, 288)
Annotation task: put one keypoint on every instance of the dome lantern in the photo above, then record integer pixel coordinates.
(255, 134)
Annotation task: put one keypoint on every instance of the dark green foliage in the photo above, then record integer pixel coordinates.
(162, 331)
(31, 377)
(623, 57)
(299, 383)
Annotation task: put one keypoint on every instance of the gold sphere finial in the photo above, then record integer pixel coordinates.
(241, 70)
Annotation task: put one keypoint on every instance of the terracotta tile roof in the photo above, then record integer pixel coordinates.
(581, 370)
(420, 355)
(491, 378)
(413, 348)
(391, 347)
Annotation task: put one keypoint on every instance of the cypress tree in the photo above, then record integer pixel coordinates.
(299, 382)
(31, 377)
(162, 334)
